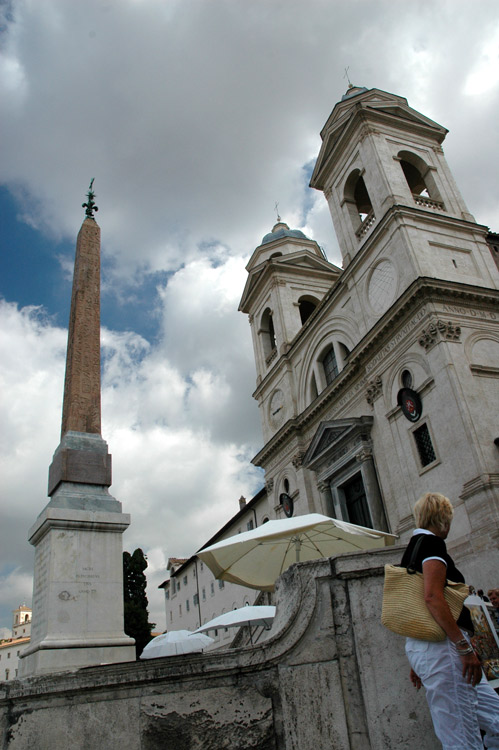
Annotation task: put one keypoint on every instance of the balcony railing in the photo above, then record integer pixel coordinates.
(424, 200)
(366, 225)
(272, 356)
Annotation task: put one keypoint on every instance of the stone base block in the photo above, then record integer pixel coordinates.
(45, 660)
(77, 591)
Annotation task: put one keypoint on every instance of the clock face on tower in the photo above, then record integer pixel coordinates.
(277, 412)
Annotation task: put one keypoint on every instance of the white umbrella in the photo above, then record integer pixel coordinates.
(236, 618)
(175, 642)
(257, 558)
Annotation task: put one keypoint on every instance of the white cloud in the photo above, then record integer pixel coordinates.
(174, 468)
(195, 118)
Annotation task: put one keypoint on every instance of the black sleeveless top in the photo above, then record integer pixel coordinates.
(434, 546)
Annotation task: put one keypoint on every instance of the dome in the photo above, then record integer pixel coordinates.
(281, 230)
(353, 91)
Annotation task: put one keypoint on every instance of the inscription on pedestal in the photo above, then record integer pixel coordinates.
(40, 590)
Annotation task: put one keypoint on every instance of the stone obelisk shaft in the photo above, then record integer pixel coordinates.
(81, 410)
(78, 581)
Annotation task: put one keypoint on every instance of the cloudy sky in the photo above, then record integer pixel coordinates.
(194, 117)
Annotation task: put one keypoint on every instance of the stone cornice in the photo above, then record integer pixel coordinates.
(338, 135)
(408, 212)
(420, 291)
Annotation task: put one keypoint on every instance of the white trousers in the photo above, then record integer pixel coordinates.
(457, 709)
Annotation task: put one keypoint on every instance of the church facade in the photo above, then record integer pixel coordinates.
(379, 381)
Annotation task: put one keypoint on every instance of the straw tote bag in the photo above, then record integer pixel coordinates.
(404, 610)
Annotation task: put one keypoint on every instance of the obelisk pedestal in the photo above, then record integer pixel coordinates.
(78, 584)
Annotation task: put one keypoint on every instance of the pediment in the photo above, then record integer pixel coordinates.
(331, 435)
(375, 104)
(293, 264)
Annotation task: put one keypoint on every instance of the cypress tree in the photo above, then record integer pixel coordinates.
(137, 623)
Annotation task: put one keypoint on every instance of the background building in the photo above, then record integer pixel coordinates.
(192, 594)
(12, 648)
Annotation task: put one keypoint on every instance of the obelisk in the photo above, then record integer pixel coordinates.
(78, 583)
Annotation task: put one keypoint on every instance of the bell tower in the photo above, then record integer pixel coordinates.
(394, 202)
(288, 276)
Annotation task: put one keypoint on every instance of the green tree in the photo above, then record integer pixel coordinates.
(137, 623)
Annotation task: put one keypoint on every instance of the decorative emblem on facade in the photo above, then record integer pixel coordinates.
(287, 504)
(441, 330)
(410, 403)
(382, 286)
(364, 455)
(269, 486)
(374, 389)
(297, 460)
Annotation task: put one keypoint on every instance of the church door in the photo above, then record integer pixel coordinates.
(356, 502)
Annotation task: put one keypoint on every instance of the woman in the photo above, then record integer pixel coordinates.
(461, 701)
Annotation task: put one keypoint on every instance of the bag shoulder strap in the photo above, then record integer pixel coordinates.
(412, 562)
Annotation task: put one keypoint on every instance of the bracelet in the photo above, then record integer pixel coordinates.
(469, 650)
(463, 643)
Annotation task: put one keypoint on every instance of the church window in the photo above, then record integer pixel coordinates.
(406, 379)
(330, 365)
(7, 674)
(313, 388)
(268, 334)
(344, 352)
(203, 592)
(424, 445)
(195, 599)
(420, 180)
(265, 520)
(250, 525)
(286, 486)
(212, 588)
(221, 584)
(26, 618)
(187, 605)
(275, 255)
(185, 580)
(167, 594)
(414, 179)
(306, 306)
(358, 203)
(180, 610)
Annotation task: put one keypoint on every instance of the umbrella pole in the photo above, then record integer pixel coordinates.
(297, 548)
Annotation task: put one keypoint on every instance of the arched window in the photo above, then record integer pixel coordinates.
(306, 306)
(268, 334)
(330, 365)
(419, 178)
(358, 203)
(275, 255)
(344, 352)
(313, 388)
(414, 179)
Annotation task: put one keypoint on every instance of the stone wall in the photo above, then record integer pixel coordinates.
(329, 676)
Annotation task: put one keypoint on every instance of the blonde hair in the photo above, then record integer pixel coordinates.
(433, 509)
